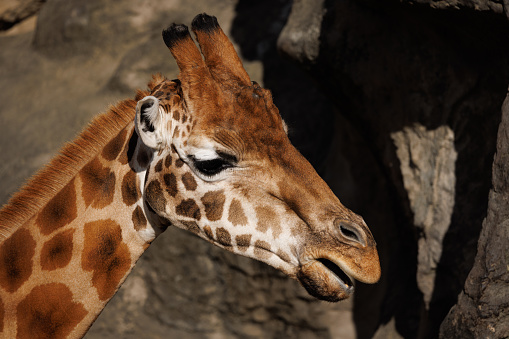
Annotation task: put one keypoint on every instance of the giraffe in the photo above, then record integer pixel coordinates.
(207, 152)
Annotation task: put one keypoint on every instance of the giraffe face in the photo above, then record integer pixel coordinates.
(223, 168)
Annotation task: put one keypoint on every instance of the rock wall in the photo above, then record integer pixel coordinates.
(482, 310)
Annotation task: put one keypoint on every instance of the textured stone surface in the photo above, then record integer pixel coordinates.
(301, 35)
(482, 310)
(496, 6)
(427, 163)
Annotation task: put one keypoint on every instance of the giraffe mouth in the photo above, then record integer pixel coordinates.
(325, 279)
(339, 274)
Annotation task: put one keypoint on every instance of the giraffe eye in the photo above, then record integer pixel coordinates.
(212, 167)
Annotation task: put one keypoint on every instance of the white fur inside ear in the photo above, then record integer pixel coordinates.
(149, 122)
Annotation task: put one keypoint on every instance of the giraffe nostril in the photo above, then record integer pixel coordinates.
(351, 232)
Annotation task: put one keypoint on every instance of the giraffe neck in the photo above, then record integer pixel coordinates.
(60, 267)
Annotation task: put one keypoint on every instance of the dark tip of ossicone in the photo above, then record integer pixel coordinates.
(175, 33)
(205, 23)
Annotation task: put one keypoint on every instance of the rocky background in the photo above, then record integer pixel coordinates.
(398, 104)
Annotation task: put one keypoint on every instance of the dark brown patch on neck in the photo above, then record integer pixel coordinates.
(236, 214)
(188, 208)
(179, 163)
(159, 166)
(112, 150)
(214, 203)
(60, 211)
(167, 161)
(154, 196)
(223, 237)
(16, 254)
(106, 255)
(98, 187)
(243, 241)
(176, 115)
(57, 252)
(130, 189)
(189, 182)
(171, 184)
(48, 311)
(139, 219)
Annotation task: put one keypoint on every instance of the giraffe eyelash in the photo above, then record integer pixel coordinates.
(210, 169)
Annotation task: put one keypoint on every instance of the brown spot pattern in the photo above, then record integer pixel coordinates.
(262, 249)
(191, 226)
(139, 219)
(59, 211)
(105, 255)
(243, 241)
(208, 232)
(16, 254)
(267, 218)
(171, 184)
(167, 161)
(223, 236)
(57, 252)
(48, 311)
(189, 182)
(98, 185)
(159, 166)
(214, 202)
(114, 147)
(188, 208)
(236, 214)
(154, 196)
(176, 115)
(130, 191)
(179, 163)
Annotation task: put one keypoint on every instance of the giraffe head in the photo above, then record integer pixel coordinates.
(220, 164)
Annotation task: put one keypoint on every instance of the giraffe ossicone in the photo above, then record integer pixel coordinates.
(207, 153)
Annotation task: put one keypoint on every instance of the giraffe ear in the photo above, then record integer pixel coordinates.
(149, 122)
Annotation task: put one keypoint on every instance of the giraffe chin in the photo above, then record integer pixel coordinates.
(325, 280)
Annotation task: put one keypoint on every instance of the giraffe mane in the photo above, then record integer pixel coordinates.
(48, 181)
